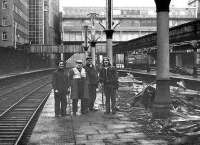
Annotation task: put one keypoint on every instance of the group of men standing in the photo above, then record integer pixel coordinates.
(83, 81)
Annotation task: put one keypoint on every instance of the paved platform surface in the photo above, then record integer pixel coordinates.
(94, 128)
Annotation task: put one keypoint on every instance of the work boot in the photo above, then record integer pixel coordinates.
(106, 113)
(84, 112)
(93, 110)
(63, 115)
(113, 112)
(56, 115)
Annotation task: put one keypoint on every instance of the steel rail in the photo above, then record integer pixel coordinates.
(23, 123)
(31, 118)
(8, 109)
(18, 88)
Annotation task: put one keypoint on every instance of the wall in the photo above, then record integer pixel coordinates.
(15, 61)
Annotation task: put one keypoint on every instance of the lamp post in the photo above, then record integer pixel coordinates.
(93, 40)
(15, 35)
(109, 31)
(62, 40)
(85, 40)
(93, 51)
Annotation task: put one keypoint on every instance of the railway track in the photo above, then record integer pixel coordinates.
(12, 94)
(19, 110)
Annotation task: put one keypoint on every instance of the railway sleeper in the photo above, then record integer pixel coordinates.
(10, 136)
(10, 129)
(7, 124)
(7, 141)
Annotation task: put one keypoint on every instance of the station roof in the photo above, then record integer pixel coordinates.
(179, 35)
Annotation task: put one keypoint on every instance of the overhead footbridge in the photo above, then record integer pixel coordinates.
(68, 47)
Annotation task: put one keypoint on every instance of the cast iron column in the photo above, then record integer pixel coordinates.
(125, 59)
(195, 63)
(114, 59)
(109, 31)
(85, 41)
(62, 53)
(162, 99)
(62, 40)
(93, 51)
(178, 60)
(148, 60)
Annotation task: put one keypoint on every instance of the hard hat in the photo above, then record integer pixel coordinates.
(61, 64)
(105, 59)
(79, 61)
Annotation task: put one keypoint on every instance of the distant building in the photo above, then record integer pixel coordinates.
(13, 23)
(54, 22)
(133, 21)
(44, 21)
(29, 22)
(196, 5)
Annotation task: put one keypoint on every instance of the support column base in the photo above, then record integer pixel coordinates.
(148, 68)
(161, 111)
(161, 104)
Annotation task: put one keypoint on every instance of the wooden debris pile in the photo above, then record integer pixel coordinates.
(182, 127)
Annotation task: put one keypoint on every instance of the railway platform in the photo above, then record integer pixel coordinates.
(15, 74)
(172, 75)
(93, 128)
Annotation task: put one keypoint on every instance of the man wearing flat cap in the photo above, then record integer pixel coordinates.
(92, 78)
(79, 87)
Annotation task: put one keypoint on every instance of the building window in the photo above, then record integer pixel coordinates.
(4, 21)
(4, 36)
(4, 4)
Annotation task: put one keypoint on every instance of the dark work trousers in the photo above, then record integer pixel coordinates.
(92, 96)
(110, 94)
(60, 103)
(83, 105)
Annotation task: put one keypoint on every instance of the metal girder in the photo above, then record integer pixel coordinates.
(184, 33)
(66, 48)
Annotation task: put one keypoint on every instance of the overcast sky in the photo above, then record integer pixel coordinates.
(119, 3)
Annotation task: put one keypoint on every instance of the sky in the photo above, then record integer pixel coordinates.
(119, 3)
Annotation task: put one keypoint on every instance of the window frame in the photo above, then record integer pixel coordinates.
(4, 4)
(4, 36)
(4, 21)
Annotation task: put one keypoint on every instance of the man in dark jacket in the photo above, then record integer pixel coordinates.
(92, 82)
(60, 87)
(108, 77)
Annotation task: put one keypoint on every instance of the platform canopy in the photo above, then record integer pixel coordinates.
(179, 35)
(67, 47)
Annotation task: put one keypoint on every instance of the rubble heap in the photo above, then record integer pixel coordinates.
(182, 127)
